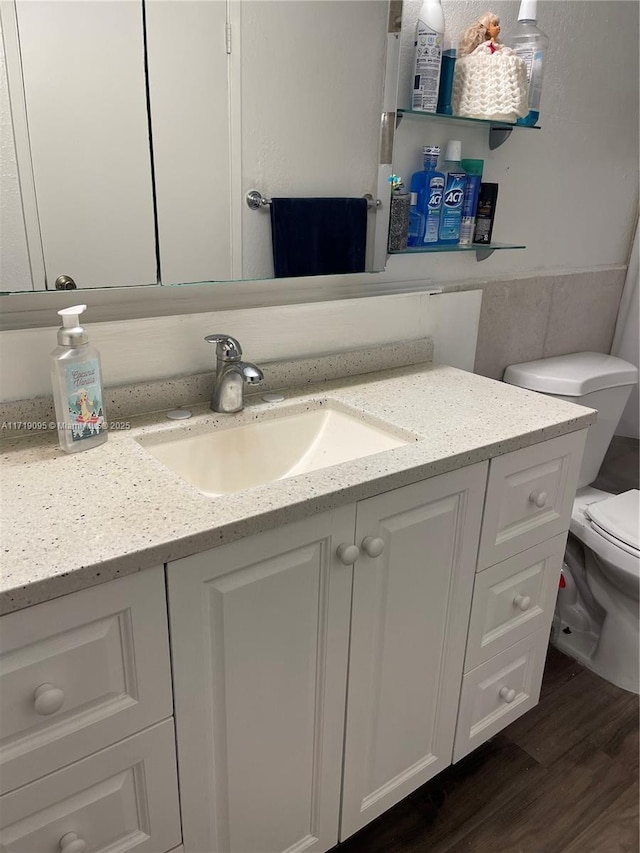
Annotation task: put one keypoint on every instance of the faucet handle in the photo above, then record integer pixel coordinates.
(227, 349)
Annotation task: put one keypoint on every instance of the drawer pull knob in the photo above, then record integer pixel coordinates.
(507, 694)
(522, 602)
(372, 546)
(348, 554)
(538, 498)
(47, 699)
(72, 843)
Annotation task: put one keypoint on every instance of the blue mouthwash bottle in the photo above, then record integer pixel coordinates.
(416, 220)
(454, 187)
(432, 194)
(417, 211)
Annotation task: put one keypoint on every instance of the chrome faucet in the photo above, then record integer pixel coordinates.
(231, 374)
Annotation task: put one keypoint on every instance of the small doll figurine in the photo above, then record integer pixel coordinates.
(485, 32)
(490, 81)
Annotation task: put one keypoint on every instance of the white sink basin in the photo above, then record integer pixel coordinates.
(227, 460)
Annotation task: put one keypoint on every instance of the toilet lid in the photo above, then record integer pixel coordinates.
(618, 518)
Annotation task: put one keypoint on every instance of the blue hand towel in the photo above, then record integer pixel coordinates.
(318, 236)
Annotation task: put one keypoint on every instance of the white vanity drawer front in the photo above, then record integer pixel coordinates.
(123, 798)
(513, 599)
(81, 672)
(529, 497)
(499, 691)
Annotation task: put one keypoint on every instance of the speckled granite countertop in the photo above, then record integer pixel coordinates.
(72, 521)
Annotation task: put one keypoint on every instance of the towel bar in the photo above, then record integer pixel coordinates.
(255, 200)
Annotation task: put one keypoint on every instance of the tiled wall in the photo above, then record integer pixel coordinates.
(536, 317)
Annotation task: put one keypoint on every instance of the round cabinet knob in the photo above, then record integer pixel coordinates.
(522, 602)
(507, 694)
(538, 498)
(348, 554)
(47, 699)
(65, 282)
(72, 843)
(372, 546)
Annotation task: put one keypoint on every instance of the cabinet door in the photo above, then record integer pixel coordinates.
(260, 638)
(513, 599)
(499, 691)
(530, 496)
(86, 104)
(123, 798)
(80, 672)
(409, 623)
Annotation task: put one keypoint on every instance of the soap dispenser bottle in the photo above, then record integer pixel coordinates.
(77, 386)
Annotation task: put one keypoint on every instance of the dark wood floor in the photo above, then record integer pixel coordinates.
(562, 779)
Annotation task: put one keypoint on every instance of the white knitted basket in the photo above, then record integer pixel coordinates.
(490, 85)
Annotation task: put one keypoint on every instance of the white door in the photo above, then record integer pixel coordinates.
(259, 643)
(410, 613)
(86, 106)
(310, 116)
(189, 98)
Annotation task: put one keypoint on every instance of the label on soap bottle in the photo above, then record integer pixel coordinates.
(84, 399)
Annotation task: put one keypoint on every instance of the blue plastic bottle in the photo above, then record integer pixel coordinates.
(416, 221)
(432, 194)
(455, 183)
(417, 211)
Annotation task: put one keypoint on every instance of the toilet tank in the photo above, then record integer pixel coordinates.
(592, 379)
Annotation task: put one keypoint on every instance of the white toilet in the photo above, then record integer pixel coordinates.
(597, 619)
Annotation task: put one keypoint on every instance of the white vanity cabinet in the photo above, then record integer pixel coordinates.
(322, 670)
(264, 631)
(527, 512)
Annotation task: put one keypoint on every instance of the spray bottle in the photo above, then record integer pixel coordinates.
(77, 386)
(428, 59)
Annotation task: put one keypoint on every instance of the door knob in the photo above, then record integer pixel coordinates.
(538, 498)
(348, 554)
(47, 699)
(72, 843)
(523, 602)
(372, 546)
(508, 694)
(65, 282)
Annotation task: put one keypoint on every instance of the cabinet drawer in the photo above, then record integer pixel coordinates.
(81, 672)
(513, 599)
(529, 497)
(499, 691)
(123, 798)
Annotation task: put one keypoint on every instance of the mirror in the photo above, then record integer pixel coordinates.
(137, 129)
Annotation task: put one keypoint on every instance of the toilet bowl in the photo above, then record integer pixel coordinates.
(608, 640)
(597, 613)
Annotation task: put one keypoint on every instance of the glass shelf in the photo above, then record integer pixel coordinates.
(482, 251)
(464, 120)
(499, 131)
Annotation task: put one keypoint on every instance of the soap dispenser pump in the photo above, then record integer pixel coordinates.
(77, 386)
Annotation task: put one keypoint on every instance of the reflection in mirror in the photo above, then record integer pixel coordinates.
(137, 128)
